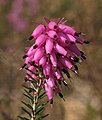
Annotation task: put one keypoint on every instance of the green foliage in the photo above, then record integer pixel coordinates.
(35, 95)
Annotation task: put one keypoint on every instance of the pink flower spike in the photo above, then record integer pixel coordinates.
(53, 54)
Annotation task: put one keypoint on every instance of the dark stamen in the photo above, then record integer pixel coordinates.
(25, 79)
(76, 59)
(29, 70)
(82, 53)
(83, 57)
(76, 67)
(59, 82)
(77, 34)
(35, 46)
(48, 57)
(24, 66)
(25, 56)
(71, 42)
(66, 72)
(32, 63)
(47, 77)
(66, 41)
(86, 42)
(55, 36)
(55, 26)
(31, 37)
(51, 101)
(60, 94)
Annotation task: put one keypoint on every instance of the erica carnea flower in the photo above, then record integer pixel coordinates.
(54, 52)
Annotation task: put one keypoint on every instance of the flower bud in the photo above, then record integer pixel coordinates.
(66, 63)
(49, 46)
(52, 25)
(60, 49)
(42, 61)
(40, 40)
(38, 54)
(52, 34)
(67, 29)
(38, 31)
(53, 59)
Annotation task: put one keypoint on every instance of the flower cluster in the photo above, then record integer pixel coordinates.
(55, 51)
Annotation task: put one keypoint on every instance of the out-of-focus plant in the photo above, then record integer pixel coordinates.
(53, 54)
(18, 9)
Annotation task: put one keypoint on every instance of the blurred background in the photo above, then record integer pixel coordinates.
(84, 95)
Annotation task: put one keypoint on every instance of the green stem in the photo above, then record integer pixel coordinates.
(35, 100)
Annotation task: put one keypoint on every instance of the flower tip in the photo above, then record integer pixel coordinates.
(20, 69)
(66, 41)
(46, 19)
(76, 72)
(25, 79)
(30, 38)
(35, 46)
(60, 94)
(25, 56)
(76, 59)
(87, 42)
(51, 101)
(37, 23)
(51, 106)
(83, 34)
(55, 68)
(65, 83)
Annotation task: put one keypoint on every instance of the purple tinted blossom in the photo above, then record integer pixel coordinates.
(4, 2)
(14, 16)
(53, 54)
(32, 6)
